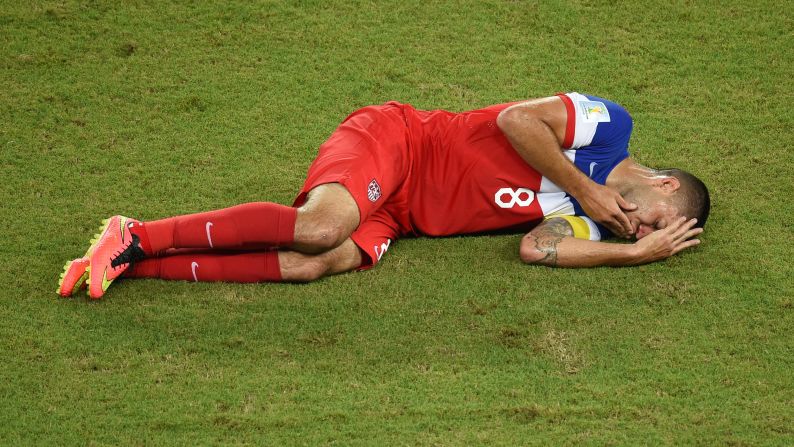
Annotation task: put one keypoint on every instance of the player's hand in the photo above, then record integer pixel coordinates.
(605, 205)
(661, 244)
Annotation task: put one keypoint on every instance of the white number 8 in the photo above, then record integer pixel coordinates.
(515, 197)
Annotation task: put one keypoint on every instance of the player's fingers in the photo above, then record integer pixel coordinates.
(686, 244)
(613, 224)
(684, 227)
(615, 228)
(674, 226)
(628, 206)
(690, 234)
(623, 221)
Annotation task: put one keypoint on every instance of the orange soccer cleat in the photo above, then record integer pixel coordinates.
(114, 249)
(74, 276)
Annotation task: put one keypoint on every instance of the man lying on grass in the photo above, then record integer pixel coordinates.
(558, 166)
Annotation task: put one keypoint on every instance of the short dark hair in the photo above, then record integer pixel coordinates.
(692, 197)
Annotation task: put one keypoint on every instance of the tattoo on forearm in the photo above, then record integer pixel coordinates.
(546, 237)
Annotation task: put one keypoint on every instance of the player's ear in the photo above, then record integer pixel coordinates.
(668, 185)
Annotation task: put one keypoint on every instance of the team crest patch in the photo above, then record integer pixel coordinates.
(373, 191)
(594, 112)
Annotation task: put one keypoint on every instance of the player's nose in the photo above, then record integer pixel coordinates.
(642, 231)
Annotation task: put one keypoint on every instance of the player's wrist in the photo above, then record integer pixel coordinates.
(582, 189)
(635, 253)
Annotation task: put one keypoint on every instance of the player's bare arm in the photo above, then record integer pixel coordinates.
(552, 243)
(536, 129)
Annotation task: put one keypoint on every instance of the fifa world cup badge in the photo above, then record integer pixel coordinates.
(594, 112)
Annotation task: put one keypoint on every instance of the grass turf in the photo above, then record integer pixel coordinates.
(152, 110)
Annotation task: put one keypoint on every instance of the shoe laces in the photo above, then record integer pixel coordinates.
(130, 254)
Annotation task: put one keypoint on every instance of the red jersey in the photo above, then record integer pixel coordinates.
(467, 177)
(438, 173)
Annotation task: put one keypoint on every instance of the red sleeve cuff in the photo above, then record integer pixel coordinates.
(570, 125)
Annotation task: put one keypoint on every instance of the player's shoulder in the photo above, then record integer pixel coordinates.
(595, 121)
(591, 108)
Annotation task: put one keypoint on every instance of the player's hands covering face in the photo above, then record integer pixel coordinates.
(662, 244)
(606, 206)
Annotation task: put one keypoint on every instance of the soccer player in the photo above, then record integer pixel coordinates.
(557, 167)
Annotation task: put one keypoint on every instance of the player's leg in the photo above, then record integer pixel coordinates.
(362, 250)
(228, 228)
(266, 266)
(123, 241)
(365, 248)
(300, 267)
(357, 169)
(326, 219)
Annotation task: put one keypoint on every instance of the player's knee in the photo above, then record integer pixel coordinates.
(322, 233)
(309, 271)
(328, 236)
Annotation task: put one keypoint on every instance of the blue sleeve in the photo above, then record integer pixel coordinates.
(599, 137)
(602, 137)
(612, 137)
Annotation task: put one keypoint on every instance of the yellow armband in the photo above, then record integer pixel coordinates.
(581, 228)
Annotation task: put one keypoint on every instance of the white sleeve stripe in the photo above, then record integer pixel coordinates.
(584, 131)
(595, 234)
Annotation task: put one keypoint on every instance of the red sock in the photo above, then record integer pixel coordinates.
(261, 223)
(243, 267)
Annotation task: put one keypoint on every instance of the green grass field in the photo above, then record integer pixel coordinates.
(152, 110)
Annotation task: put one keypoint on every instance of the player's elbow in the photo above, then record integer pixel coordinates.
(529, 253)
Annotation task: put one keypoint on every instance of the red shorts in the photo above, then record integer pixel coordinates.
(369, 155)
